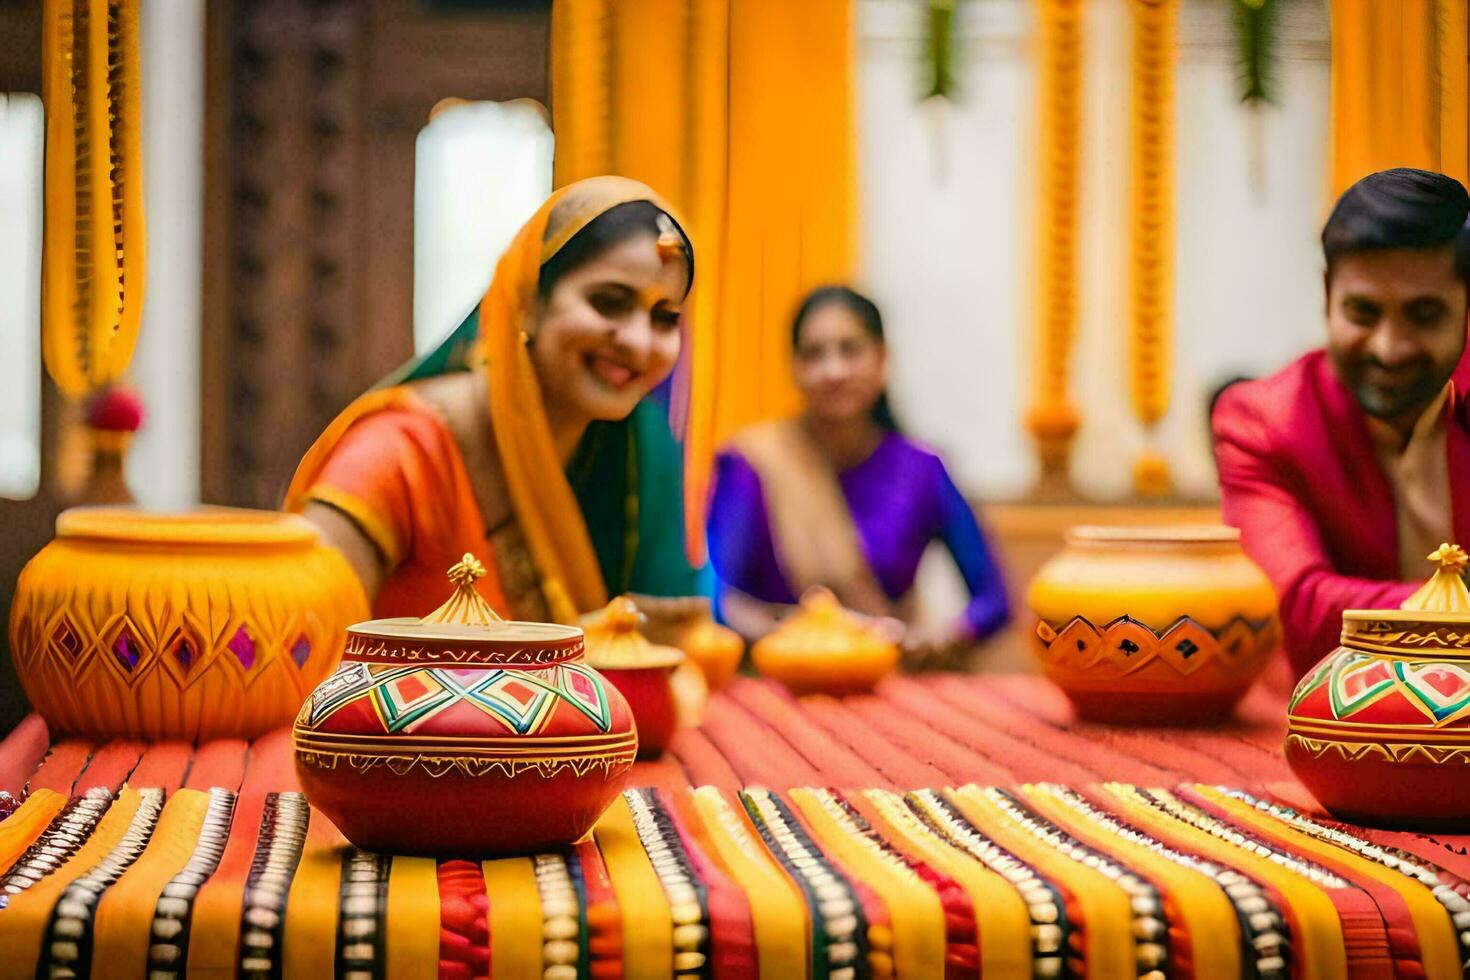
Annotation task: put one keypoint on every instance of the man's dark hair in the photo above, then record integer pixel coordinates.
(1400, 208)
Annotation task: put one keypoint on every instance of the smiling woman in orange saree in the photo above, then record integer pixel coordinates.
(529, 437)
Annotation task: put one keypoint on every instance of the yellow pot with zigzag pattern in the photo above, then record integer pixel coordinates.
(1153, 625)
(211, 624)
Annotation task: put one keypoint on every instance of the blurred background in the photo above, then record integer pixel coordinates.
(1080, 217)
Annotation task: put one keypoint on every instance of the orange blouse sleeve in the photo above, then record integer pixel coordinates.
(397, 474)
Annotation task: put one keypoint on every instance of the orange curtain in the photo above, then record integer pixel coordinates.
(1398, 87)
(739, 112)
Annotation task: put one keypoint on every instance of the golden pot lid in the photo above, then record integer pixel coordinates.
(615, 643)
(467, 618)
(823, 627)
(1435, 617)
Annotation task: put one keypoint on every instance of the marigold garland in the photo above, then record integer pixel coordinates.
(94, 234)
(1052, 417)
(1151, 238)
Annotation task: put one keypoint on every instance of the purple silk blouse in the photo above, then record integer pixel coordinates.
(901, 499)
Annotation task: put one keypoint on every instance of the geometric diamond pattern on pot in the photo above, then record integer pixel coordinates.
(1358, 681)
(183, 651)
(1309, 684)
(506, 696)
(1129, 643)
(242, 645)
(407, 699)
(1237, 639)
(1077, 643)
(1186, 646)
(66, 639)
(301, 650)
(584, 691)
(348, 682)
(1443, 689)
(126, 650)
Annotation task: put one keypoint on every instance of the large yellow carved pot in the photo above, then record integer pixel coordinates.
(1162, 625)
(211, 624)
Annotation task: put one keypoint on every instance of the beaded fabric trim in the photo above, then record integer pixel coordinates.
(168, 952)
(561, 918)
(283, 826)
(839, 927)
(962, 931)
(1265, 933)
(1187, 813)
(67, 948)
(1150, 926)
(1452, 897)
(857, 826)
(1052, 933)
(688, 899)
(67, 831)
(364, 906)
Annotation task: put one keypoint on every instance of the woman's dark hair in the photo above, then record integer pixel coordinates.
(1400, 208)
(867, 314)
(612, 227)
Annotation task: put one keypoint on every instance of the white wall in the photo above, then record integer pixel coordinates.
(947, 252)
(163, 466)
(21, 147)
(481, 169)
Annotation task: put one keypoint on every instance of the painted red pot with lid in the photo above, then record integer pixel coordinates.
(1379, 730)
(642, 671)
(464, 734)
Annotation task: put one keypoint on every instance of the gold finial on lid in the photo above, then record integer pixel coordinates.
(467, 571)
(1445, 591)
(465, 607)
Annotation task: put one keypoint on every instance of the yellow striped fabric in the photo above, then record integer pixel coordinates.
(1001, 917)
(23, 923)
(412, 923)
(648, 925)
(1205, 911)
(515, 918)
(21, 829)
(313, 904)
(1317, 931)
(779, 914)
(1437, 943)
(914, 909)
(1106, 909)
(124, 916)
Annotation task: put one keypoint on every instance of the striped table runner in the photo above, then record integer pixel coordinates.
(953, 827)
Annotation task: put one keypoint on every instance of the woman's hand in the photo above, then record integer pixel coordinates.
(937, 646)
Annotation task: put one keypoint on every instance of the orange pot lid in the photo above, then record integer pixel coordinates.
(615, 643)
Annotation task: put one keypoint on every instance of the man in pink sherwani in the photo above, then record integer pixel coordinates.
(1346, 468)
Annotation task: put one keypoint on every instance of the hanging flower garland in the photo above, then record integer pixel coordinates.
(1052, 417)
(92, 286)
(1255, 37)
(1151, 245)
(939, 49)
